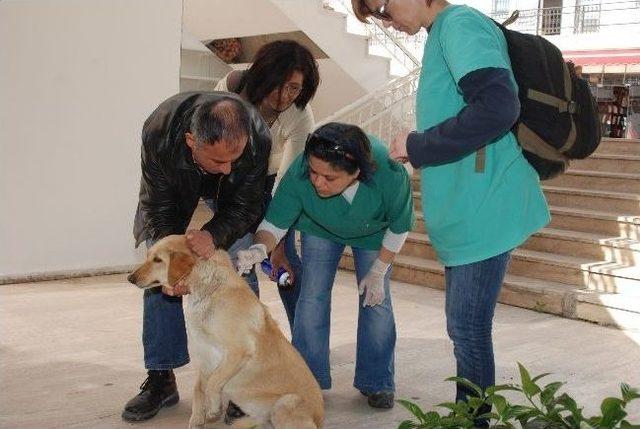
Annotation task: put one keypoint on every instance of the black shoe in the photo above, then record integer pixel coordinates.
(382, 400)
(157, 391)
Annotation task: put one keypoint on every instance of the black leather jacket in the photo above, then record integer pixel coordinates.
(172, 184)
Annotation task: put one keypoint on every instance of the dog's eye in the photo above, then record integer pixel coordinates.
(156, 259)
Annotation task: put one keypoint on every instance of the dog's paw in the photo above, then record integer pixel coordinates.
(213, 415)
(197, 421)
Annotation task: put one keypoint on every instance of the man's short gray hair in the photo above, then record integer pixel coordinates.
(223, 119)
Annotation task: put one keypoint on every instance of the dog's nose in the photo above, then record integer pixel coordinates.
(131, 278)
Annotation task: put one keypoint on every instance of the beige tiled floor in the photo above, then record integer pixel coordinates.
(70, 354)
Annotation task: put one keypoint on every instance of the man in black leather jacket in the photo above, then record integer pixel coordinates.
(208, 145)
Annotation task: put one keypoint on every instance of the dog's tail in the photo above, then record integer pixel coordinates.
(290, 413)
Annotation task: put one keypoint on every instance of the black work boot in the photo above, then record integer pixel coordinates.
(157, 391)
(382, 400)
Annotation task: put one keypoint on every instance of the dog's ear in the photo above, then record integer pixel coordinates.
(180, 264)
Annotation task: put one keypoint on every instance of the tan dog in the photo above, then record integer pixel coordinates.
(243, 359)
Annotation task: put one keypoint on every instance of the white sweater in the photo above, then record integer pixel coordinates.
(288, 134)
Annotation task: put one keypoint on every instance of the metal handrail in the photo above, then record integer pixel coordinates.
(397, 43)
(389, 40)
(587, 18)
(385, 111)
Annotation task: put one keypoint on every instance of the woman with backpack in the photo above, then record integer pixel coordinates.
(480, 196)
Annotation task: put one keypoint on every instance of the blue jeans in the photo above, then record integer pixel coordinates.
(376, 326)
(289, 296)
(471, 296)
(164, 335)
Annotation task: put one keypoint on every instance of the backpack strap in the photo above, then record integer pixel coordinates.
(571, 138)
(568, 93)
(531, 142)
(566, 105)
(480, 159)
(549, 100)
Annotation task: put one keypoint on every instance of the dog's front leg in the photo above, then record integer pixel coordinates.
(232, 361)
(197, 420)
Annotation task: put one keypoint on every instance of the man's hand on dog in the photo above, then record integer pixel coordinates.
(200, 243)
(177, 289)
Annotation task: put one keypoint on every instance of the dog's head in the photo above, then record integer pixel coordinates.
(168, 261)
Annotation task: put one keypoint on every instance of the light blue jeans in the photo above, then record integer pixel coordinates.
(376, 336)
(471, 295)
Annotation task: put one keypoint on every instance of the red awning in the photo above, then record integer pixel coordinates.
(603, 56)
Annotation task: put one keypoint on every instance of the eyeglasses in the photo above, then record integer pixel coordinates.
(324, 145)
(381, 12)
(292, 89)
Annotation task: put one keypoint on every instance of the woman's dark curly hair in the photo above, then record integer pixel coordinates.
(274, 64)
(344, 146)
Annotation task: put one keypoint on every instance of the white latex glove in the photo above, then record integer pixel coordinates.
(246, 259)
(373, 284)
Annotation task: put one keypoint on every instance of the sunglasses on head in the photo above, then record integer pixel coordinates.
(325, 145)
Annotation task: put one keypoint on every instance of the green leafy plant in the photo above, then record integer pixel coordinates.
(543, 408)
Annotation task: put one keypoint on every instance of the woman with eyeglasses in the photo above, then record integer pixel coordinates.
(344, 190)
(480, 196)
(281, 82)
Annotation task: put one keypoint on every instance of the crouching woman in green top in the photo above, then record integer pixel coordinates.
(344, 190)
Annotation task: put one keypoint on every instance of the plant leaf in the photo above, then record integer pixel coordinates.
(514, 411)
(463, 381)
(413, 409)
(529, 387)
(570, 405)
(628, 393)
(408, 424)
(612, 412)
(538, 377)
(493, 389)
(500, 402)
(547, 395)
(449, 405)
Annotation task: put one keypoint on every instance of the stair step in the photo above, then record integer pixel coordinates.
(619, 146)
(623, 202)
(534, 294)
(575, 243)
(585, 179)
(582, 272)
(621, 163)
(598, 180)
(586, 245)
(602, 222)
(611, 225)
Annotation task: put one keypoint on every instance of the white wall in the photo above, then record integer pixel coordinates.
(336, 90)
(77, 78)
(218, 19)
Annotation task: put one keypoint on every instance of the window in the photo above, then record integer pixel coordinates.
(551, 21)
(587, 16)
(501, 6)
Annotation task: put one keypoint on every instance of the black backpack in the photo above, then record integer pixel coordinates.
(559, 117)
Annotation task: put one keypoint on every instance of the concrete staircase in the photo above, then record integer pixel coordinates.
(585, 264)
